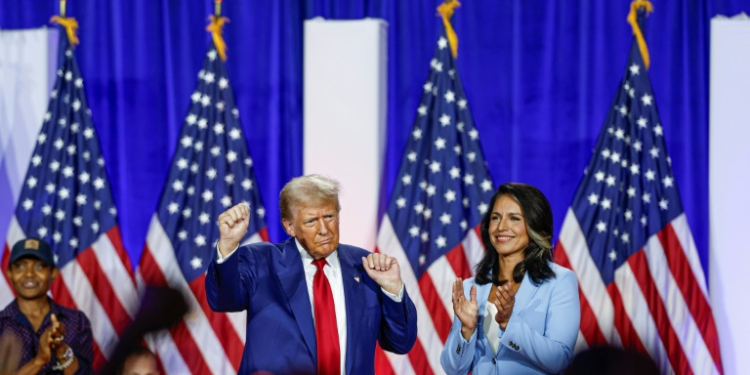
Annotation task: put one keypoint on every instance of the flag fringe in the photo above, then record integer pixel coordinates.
(71, 26)
(633, 21)
(216, 27)
(446, 10)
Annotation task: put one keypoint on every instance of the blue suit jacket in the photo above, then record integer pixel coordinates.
(538, 339)
(268, 281)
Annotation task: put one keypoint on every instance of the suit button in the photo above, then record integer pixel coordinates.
(494, 361)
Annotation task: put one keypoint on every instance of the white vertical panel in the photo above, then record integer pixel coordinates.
(729, 179)
(27, 73)
(345, 72)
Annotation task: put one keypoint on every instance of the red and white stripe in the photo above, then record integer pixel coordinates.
(431, 294)
(658, 302)
(204, 342)
(99, 282)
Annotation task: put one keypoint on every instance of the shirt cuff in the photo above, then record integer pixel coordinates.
(395, 297)
(220, 259)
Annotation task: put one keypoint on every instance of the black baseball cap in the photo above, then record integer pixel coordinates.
(32, 247)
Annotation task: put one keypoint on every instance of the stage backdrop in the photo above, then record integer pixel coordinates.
(539, 76)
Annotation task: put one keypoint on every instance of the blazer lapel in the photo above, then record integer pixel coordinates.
(525, 293)
(483, 292)
(352, 277)
(291, 275)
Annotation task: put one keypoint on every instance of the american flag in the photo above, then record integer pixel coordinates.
(432, 223)
(626, 237)
(66, 200)
(211, 171)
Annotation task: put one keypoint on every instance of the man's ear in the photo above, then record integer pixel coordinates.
(7, 273)
(55, 272)
(288, 227)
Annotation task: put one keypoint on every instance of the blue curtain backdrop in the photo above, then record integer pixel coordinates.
(539, 76)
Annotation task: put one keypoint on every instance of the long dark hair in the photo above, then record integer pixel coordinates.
(538, 215)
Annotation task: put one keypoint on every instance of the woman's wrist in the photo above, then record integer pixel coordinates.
(60, 351)
(65, 360)
(467, 332)
(40, 361)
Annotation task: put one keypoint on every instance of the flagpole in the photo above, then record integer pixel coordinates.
(62, 8)
(217, 8)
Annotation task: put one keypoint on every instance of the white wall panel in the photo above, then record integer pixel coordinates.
(345, 70)
(729, 188)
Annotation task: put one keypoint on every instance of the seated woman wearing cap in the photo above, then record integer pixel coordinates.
(47, 338)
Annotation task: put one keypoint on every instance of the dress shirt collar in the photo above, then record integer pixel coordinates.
(14, 312)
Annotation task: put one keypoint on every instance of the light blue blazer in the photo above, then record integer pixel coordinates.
(538, 339)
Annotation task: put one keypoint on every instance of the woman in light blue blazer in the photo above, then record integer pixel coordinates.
(520, 314)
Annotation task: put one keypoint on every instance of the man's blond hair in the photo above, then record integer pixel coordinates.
(312, 190)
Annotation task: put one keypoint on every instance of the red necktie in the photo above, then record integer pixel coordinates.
(326, 331)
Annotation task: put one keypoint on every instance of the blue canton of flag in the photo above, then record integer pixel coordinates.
(443, 185)
(66, 184)
(66, 200)
(628, 192)
(626, 237)
(211, 171)
(442, 190)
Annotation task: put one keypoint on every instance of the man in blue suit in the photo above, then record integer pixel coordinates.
(314, 306)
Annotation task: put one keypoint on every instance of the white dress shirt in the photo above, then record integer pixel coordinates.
(332, 271)
(490, 327)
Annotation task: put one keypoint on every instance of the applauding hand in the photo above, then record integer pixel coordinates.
(467, 310)
(506, 299)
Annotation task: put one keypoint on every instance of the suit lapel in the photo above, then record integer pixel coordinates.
(525, 292)
(292, 278)
(352, 277)
(483, 292)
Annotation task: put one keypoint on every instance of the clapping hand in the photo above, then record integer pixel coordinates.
(506, 299)
(467, 310)
(51, 339)
(57, 337)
